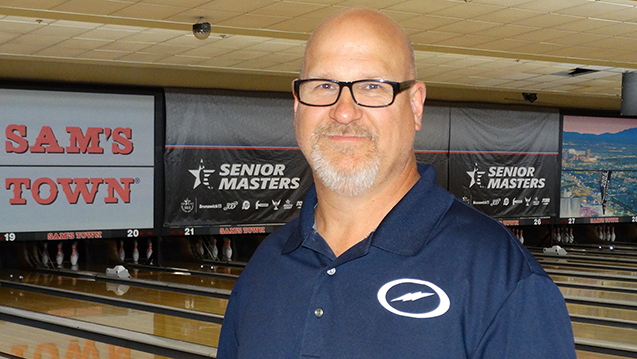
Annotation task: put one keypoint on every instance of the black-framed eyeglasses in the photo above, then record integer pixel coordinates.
(367, 93)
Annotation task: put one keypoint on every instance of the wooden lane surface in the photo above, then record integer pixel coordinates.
(556, 265)
(588, 355)
(576, 261)
(596, 311)
(205, 267)
(603, 332)
(33, 343)
(594, 281)
(598, 294)
(169, 277)
(147, 295)
(167, 326)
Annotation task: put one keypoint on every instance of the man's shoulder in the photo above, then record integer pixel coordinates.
(473, 234)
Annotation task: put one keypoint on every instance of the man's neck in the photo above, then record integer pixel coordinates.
(344, 221)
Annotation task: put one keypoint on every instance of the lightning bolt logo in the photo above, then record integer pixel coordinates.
(412, 297)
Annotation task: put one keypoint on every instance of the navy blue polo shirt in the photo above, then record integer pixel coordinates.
(436, 279)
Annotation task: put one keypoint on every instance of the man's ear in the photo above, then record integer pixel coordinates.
(418, 93)
(296, 100)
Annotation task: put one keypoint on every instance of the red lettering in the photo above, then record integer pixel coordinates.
(81, 143)
(46, 137)
(17, 184)
(125, 141)
(123, 192)
(18, 138)
(53, 190)
(80, 189)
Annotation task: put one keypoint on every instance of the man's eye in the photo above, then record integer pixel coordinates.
(326, 86)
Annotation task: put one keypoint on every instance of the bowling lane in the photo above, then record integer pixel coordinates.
(592, 310)
(558, 279)
(582, 262)
(598, 294)
(172, 327)
(146, 295)
(603, 332)
(29, 342)
(177, 277)
(589, 355)
(557, 266)
(205, 267)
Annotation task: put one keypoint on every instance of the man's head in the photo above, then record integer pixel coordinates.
(352, 147)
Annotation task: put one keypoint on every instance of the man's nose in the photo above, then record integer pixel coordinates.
(345, 110)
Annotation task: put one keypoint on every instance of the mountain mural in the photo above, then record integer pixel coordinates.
(628, 136)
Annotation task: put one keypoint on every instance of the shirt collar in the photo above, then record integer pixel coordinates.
(405, 230)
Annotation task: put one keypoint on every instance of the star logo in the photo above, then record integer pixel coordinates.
(476, 176)
(198, 176)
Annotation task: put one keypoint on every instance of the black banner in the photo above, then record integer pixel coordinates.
(220, 186)
(505, 163)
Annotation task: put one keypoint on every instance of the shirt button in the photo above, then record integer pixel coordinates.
(331, 271)
(318, 312)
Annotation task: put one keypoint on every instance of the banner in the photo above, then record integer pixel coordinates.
(76, 161)
(231, 159)
(234, 185)
(504, 162)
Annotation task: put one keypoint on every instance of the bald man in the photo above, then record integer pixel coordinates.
(382, 262)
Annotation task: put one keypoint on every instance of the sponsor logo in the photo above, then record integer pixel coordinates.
(505, 202)
(245, 206)
(231, 205)
(476, 176)
(516, 201)
(202, 175)
(210, 206)
(506, 177)
(528, 201)
(260, 204)
(276, 204)
(299, 204)
(481, 203)
(536, 201)
(466, 200)
(235, 176)
(187, 205)
(288, 204)
(546, 201)
(413, 298)
(495, 202)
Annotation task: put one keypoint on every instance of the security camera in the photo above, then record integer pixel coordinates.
(530, 97)
(201, 30)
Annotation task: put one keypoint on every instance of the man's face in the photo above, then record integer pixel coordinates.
(350, 147)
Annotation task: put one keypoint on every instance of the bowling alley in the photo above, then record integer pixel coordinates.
(171, 168)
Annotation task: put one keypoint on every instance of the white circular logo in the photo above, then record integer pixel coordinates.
(442, 308)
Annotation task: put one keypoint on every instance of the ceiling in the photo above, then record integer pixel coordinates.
(474, 50)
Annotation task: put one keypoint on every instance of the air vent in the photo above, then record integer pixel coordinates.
(575, 72)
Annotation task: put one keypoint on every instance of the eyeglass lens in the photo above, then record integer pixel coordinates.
(366, 93)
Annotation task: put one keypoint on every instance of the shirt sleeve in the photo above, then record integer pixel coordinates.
(228, 342)
(532, 323)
